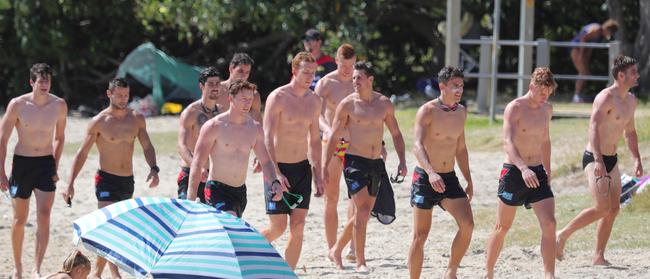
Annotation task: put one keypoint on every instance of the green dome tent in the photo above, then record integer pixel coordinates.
(168, 78)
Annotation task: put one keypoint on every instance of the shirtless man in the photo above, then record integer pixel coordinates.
(192, 118)
(228, 140)
(612, 116)
(526, 174)
(291, 136)
(363, 114)
(39, 118)
(114, 130)
(240, 69)
(332, 89)
(439, 141)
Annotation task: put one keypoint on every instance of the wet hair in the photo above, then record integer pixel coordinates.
(75, 259)
(449, 72)
(366, 67)
(117, 82)
(621, 64)
(241, 58)
(302, 56)
(41, 70)
(346, 51)
(610, 25)
(208, 73)
(542, 76)
(238, 85)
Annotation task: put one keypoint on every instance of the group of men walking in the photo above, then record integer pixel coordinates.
(307, 138)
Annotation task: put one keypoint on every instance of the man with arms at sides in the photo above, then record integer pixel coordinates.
(114, 130)
(240, 69)
(228, 140)
(292, 136)
(363, 114)
(439, 142)
(332, 89)
(526, 175)
(612, 116)
(191, 121)
(39, 118)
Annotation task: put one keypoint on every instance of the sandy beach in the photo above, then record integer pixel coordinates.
(387, 245)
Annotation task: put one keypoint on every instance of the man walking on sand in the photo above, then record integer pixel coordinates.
(227, 141)
(114, 130)
(191, 121)
(439, 142)
(363, 114)
(39, 118)
(526, 175)
(332, 89)
(292, 139)
(612, 116)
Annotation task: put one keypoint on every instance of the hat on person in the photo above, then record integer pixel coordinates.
(312, 34)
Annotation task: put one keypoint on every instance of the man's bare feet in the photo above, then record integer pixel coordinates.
(559, 247)
(600, 260)
(36, 275)
(450, 274)
(335, 257)
(17, 274)
(351, 257)
(489, 275)
(362, 269)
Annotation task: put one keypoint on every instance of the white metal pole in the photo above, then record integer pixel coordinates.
(495, 60)
(526, 30)
(452, 47)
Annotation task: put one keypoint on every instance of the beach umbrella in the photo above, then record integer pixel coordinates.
(172, 238)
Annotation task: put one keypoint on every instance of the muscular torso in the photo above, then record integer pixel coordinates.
(334, 91)
(195, 117)
(614, 121)
(231, 151)
(529, 130)
(366, 125)
(115, 140)
(35, 126)
(295, 119)
(440, 137)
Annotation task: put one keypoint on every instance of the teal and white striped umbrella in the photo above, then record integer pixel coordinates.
(172, 238)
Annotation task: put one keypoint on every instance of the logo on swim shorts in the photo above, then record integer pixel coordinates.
(506, 195)
(219, 205)
(418, 199)
(13, 190)
(355, 185)
(504, 171)
(104, 194)
(270, 206)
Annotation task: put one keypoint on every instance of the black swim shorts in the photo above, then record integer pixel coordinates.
(424, 197)
(610, 161)
(299, 176)
(360, 172)
(183, 181)
(113, 188)
(513, 190)
(225, 197)
(29, 173)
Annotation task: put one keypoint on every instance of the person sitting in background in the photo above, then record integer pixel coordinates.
(75, 266)
(590, 33)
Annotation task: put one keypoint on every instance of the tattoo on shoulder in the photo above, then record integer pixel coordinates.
(201, 119)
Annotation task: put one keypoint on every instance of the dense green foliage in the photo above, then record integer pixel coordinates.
(86, 40)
